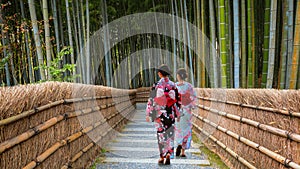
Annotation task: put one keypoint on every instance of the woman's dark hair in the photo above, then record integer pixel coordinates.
(164, 70)
(182, 73)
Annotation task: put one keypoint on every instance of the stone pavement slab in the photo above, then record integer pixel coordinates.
(136, 147)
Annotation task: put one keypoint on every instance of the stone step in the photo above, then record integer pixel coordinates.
(137, 135)
(131, 129)
(152, 161)
(145, 149)
(149, 166)
(135, 141)
(136, 147)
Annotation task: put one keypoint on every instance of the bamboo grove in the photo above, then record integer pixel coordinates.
(257, 41)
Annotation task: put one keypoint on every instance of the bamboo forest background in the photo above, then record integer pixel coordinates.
(257, 40)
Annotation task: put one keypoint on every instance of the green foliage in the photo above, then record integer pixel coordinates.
(57, 73)
(215, 160)
(3, 61)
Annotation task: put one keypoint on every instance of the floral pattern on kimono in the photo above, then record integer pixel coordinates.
(183, 129)
(167, 111)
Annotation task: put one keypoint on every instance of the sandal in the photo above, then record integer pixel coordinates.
(161, 161)
(178, 150)
(168, 161)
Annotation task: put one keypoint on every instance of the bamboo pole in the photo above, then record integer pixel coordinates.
(88, 147)
(279, 132)
(68, 140)
(28, 134)
(230, 151)
(279, 111)
(277, 157)
(51, 122)
(29, 112)
(296, 50)
(51, 105)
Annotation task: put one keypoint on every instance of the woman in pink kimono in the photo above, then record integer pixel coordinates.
(162, 107)
(183, 129)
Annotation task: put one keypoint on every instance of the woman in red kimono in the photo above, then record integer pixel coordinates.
(162, 107)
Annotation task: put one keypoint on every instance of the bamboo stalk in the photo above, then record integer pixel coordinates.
(230, 151)
(74, 137)
(270, 129)
(77, 156)
(279, 111)
(296, 50)
(271, 154)
(50, 151)
(31, 165)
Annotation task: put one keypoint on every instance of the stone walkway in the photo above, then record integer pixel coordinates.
(136, 147)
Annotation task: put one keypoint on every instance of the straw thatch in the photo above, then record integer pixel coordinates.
(261, 126)
(63, 125)
(44, 125)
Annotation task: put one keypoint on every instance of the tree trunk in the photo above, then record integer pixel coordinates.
(272, 44)
(222, 40)
(199, 43)
(80, 55)
(204, 43)
(55, 20)
(236, 44)
(251, 41)
(229, 43)
(12, 65)
(296, 52)
(76, 41)
(174, 39)
(70, 34)
(31, 78)
(290, 43)
(214, 72)
(83, 22)
(47, 37)
(60, 22)
(106, 44)
(189, 44)
(244, 45)
(37, 38)
(266, 43)
(7, 73)
(88, 57)
(184, 36)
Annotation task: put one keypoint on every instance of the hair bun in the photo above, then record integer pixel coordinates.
(182, 73)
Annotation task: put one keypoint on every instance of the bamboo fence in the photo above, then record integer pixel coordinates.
(247, 128)
(261, 127)
(38, 123)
